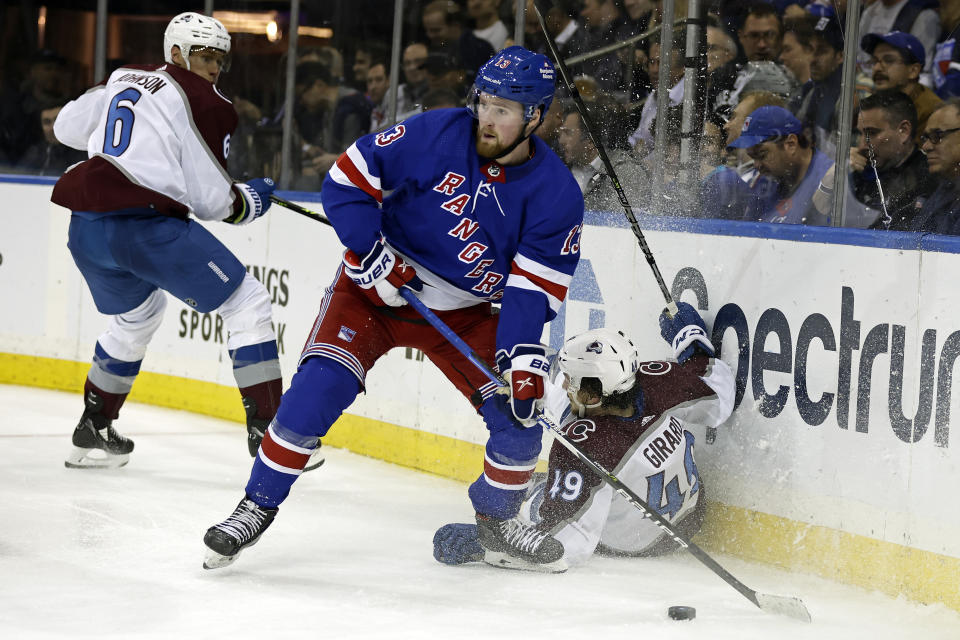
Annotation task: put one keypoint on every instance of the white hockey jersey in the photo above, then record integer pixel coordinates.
(650, 452)
(157, 137)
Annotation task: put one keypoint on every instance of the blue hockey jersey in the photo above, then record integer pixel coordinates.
(474, 230)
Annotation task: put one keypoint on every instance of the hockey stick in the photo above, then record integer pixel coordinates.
(582, 108)
(788, 606)
(313, 215)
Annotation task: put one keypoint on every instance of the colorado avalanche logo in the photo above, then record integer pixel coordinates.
(655, 368)
(595, 347)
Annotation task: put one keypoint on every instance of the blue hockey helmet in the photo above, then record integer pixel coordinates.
(516, 74)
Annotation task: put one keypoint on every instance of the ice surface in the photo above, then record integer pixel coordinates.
(117, 554)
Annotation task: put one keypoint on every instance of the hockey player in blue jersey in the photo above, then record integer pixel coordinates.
(466, 208)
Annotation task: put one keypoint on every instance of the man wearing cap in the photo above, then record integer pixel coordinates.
(916, 17)
(897, 60)
(816, 107)
(775, 141)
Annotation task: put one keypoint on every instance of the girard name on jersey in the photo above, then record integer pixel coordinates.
(474, 230)
(658, 449)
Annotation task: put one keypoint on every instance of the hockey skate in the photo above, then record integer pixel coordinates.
(242, 529)
(95, 433)
(512, 544)
(257, 428)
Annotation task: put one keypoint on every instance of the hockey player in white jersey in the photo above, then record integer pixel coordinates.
(633, 418)
(157, 137)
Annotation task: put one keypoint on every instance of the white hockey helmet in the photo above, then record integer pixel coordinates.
(189, 30)
(607, 355)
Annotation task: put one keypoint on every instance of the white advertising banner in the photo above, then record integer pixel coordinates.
(844, 353)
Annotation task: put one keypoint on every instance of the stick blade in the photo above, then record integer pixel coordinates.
(785, 606)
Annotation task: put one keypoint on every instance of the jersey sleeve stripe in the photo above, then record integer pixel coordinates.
(351, 170)
(521, 282)
(540, 270)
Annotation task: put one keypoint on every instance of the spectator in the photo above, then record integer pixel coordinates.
(642, 139)
(897, 60)
(45, 87)
(721, 48)
(940, 212)
(378, 85)
(49, 157)
(443, 23)
(366, 55)
(916, 17)
(444, 72)
(816, 105)
(489, 26)
(441, 99)
(756, 76)
(329, 117)
(749, 102)
(887, 127)
(946, 69)
(722, 193)
(761, 33)
(580, 155)
(796, 52)
(410, 94)
(570, 36)
(549, 130)
(605, 25)
(774, 139)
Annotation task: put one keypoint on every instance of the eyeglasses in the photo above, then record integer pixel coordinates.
(936, 136)
(887, 61)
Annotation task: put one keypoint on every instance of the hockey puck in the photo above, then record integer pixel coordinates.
(682, 613)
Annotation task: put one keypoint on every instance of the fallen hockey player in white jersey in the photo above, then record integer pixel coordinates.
(631, 417)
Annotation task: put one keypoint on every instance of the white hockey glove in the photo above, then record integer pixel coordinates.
(525, 369)
(254, 200)
(381, 275)
(686, 332)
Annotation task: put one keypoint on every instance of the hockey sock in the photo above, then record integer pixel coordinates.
(111, 379)
(320, 391)
(509, 462)
(111, 401)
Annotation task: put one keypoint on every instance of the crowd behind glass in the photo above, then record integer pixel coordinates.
(773, 86)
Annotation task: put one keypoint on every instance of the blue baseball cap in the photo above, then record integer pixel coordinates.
(827, 25)
(909, 45)
(765, 123)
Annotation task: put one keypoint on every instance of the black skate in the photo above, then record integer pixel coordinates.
(94, 433)
(242, 529)
(512, 544)
(257, 428)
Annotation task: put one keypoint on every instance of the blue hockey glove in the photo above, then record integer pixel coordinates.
(685, 332)
(457, 544)
(381, 275)
(254, 200)
(525, 369)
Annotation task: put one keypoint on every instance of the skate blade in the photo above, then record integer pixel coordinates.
(214, 560)
(506, 561)
(315, 461)
(81, 458)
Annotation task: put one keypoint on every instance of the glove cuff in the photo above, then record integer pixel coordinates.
(251, 205)
(692, 336)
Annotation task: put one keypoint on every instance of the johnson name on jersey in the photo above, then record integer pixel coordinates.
(157, 137)
(651, 452)
(474, 230)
